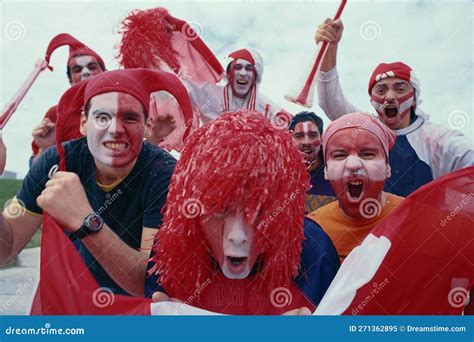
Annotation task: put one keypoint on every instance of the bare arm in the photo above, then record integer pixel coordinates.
(17, 227)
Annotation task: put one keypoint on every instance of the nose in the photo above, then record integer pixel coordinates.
(235, 230)
(115, 127)
(353, 163)
(86, 72)
(390, 96)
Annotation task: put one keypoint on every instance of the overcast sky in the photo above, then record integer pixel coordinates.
(434, 38)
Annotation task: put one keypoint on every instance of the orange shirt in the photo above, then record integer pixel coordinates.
(347, 232)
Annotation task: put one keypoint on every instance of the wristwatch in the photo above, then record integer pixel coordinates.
(93, 223)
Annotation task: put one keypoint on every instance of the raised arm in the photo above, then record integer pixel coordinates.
(330, 95)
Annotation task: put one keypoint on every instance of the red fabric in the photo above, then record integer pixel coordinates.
(139, 83)
(68, 288)
(70, 127)
(153, 37)
(361, 121)
(217, 171)
(384, 70)
(429, 268)
(243, 54)
(243, 297)
(76, 47)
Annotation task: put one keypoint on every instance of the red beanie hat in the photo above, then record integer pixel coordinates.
(397, 69)
(76, 47)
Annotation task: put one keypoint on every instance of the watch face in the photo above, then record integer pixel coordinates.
(94, 222)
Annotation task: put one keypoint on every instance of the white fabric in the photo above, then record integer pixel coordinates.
(209, 99)
(357, 270)
(172, 309)
(443, 149)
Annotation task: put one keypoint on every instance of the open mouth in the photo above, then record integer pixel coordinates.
(116, 146)
(236, 265)
(391, 111)
(355, 188)
(242, 82)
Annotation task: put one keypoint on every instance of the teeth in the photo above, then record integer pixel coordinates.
(116, 146)
(355, 182)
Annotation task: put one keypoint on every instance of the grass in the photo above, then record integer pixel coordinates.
(8, 189)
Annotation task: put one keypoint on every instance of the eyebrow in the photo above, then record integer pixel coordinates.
(101, 111)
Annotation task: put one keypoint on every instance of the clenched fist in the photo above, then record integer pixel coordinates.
(329, 31)
(65, 200)
(44, 134)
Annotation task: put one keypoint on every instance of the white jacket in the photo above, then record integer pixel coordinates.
(422, 152)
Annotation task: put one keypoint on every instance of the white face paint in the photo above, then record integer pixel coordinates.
(242, 77)
(357, 168)
(115, 128)
(230, 238)
(83, 67)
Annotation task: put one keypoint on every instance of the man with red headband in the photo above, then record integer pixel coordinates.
(109, 200)
(244, 75)
(83, 62)
(234, 239)
(422, 151)
(356, 148)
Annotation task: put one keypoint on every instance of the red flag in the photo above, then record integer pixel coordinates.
(68, 288)
(419, 261)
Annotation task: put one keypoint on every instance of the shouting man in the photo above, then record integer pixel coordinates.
(422, 151)
(356, 148)
(234, 225)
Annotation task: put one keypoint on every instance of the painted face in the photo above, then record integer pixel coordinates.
(242, 76)
(115, 129)
(392, 98)
(231, 240)
(356, 167)
(306, 137)
(83, 67)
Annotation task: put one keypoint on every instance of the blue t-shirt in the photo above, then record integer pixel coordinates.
(134, 203)
(321, 191)
(319, 264)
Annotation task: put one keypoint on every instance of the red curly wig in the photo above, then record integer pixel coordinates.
(238, 158)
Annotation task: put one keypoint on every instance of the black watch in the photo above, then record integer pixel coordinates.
(93, 223)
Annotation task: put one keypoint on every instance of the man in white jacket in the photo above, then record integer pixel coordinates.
(423, 151)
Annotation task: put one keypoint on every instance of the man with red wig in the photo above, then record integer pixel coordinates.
(234, 239)
(423, 151)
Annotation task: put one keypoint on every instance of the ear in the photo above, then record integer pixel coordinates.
(326, 177)
(389, 170)
(148, 127)
(83, 124)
